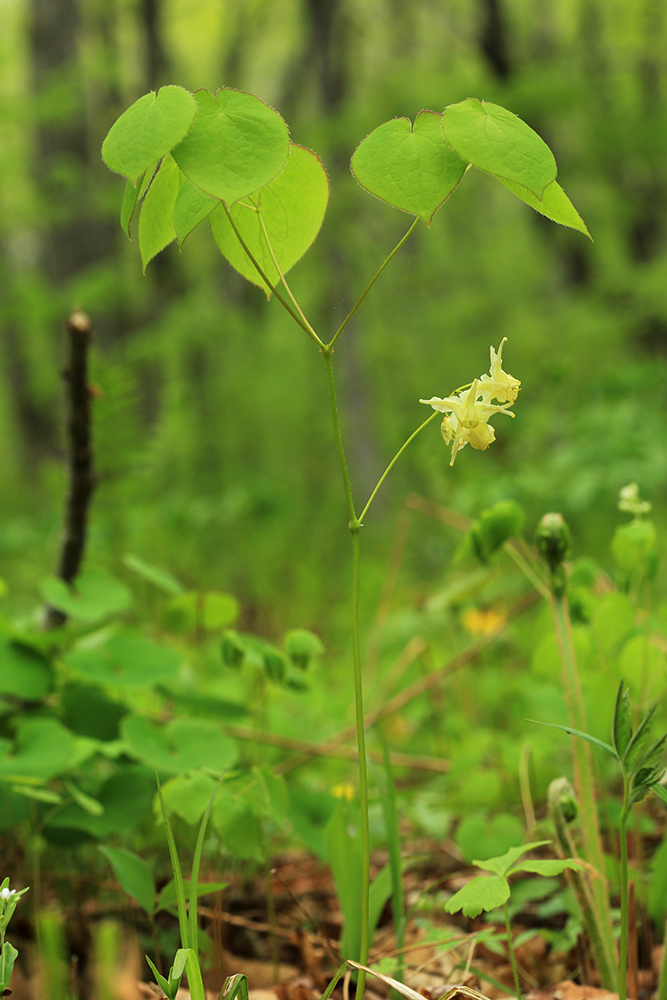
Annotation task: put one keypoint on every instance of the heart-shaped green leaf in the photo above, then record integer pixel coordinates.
(148, 130)
(156, 227)
(409, 167)
(497, 141)
(555, 205)
(236, 145)
(289, 211)
(192, 207)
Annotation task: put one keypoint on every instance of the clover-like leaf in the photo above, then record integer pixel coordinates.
(282, 219)
(148, 130)
(504, 862)
(497, 141)
(555, 205)
(483, 893)
(411, 167)
(236, 145)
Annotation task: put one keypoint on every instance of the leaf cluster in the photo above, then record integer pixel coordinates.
(486, 892)
(228, 158)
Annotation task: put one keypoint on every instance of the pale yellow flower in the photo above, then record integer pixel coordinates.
(467, 412)
(498, 384)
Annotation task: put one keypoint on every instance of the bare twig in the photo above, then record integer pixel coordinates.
(80, 457)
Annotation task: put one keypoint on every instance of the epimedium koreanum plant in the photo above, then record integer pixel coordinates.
(227, 157)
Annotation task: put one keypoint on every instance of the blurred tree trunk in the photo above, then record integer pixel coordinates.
(493, 38)
(75, 236)
(157, 66)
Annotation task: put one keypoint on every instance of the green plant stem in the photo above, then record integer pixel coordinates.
(623, 942)
(355, 525)
(511, 953)
(566, 849)
(303, 323)
(306, 325)
(370, 285)
(393, 462)
(584, 782)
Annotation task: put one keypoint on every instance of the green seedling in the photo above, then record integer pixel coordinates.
(8, 954)
(488, 892)
(642, 766)
(187, 957)
(228, 158)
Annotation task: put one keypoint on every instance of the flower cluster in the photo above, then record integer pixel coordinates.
(467, 412)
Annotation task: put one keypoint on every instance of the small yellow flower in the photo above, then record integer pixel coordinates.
(467, 412)
(498, 384)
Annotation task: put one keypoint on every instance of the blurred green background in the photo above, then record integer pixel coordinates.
(212, 431)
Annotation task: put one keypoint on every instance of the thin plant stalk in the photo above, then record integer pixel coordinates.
(581, 885)
(355, 524)
(623, 941)
(371, 283)
(583, 767)
(510, 949)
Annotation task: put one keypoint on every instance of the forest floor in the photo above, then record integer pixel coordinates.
(286, 942)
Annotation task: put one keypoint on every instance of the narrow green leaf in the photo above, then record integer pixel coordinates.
(8, 956)
(148, 130)
(129, 204)
(621, 729)
(196, 862)
(156, 225)
(192, 207)
(410, 167)
(89, 804)
(236, 145)
(180, 960)
(176, 868)
(584, 736)
(163, 983)
(167, 897)
(133, 874)
(483, 893)
(159, 577)
(634, 753)
(555, 205)
(497, 141)
(290, 211)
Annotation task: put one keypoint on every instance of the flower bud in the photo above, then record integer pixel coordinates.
(554, 542)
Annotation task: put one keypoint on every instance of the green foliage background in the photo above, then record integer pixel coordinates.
(212, 431)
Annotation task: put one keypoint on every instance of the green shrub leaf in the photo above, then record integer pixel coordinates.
(497, 141)
(147, 131)
(483, 893)
(555, 205)
(411, 167)
(236, 145)
(192, 207)
(156, 226)
(290, 211)
(133, 874)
